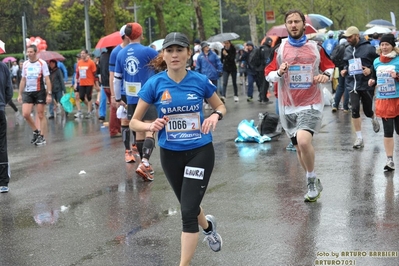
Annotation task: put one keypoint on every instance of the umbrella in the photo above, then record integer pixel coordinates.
(2, 47)
(9, 59)
(158, 44)
(216, 46)
(50, 55)
(281, 30)
(380, 23)
(222, 37)
(318, 21)
(111, 40)
(377, 29)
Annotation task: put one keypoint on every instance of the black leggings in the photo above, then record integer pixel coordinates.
(389, 125)
(188, 173)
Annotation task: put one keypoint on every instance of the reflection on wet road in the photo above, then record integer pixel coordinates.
(108, 216)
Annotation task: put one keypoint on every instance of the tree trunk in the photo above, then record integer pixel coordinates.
(160, 19)
(107, 7)
(200, 20)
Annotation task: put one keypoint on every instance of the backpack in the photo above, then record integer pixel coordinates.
(255, 59)
(269, 123)
(337, 55)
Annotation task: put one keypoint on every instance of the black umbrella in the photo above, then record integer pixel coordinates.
(222, 37)
(380, 23)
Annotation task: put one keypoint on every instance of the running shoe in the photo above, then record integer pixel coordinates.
(145, 172)
(4, 189)
(78, 114)
(35, 136)
(40, 140)
(129, 158)
(358, 143)
(376, 125)
(314, 189)
(135, 151)
(290, 147)
(249, 99)
(88, 115)
(236, 99)
(214, 239)
(334, 108)
(390, 166)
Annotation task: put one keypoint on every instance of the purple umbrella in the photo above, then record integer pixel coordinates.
(9, 59)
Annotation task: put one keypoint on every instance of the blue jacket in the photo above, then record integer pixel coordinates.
(210, 65)
(62, 67)
(6, 89)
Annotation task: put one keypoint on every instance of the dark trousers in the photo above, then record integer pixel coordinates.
(225, 80)
(264, 87)
(4, 167)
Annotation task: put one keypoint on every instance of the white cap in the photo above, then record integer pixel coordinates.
(121, 113)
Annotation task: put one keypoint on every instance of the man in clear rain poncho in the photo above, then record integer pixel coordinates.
(300, 67)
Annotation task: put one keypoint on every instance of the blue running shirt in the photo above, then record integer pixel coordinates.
(112, 61)
(182, 103)
(132, 66)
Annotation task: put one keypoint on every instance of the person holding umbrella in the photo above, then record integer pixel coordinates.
(58, 87)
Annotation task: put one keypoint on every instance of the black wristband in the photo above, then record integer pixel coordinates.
(219, 113)
(118, 100)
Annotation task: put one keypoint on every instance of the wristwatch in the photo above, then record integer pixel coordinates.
(49, 93)
(327, 74)
(219, 113)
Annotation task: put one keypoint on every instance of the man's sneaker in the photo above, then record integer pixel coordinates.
(101, 118)
(346, 111)
(214, 239)
(40, 140)
(4, 189)
(290, 147)
(334, 108)
(236, 98)
(35, 136)
(88, 115)
(314, 189)
(390, 166)
(249, 99)
(19, 119)
(129, 158)
(78, 114)
(376, 124)
(145, 172)
(135, 151)
(358, 143)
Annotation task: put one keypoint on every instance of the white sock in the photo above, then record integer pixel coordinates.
(359, 134)
(310, 174)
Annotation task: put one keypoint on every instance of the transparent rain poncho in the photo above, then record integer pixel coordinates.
(300, 100)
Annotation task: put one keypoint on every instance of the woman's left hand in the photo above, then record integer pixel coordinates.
(210, 123)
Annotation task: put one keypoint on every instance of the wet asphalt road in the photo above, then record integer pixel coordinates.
(55, 216)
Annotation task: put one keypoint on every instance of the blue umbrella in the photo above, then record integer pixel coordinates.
(318, 21)
(380, 23)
